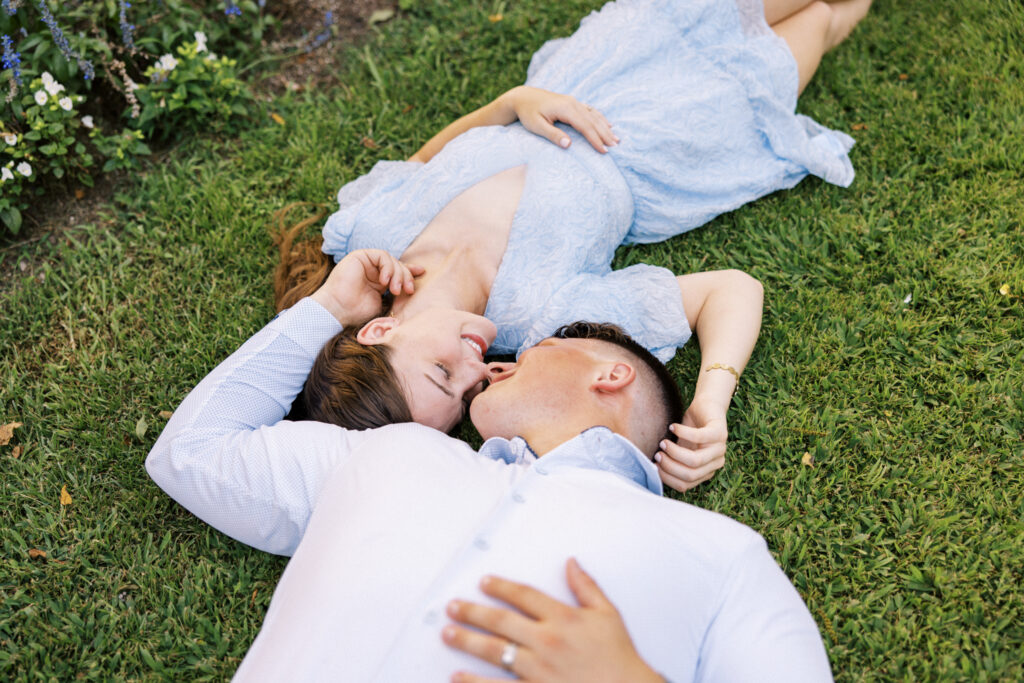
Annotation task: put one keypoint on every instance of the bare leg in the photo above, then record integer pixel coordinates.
(777, 10)
(816, 29)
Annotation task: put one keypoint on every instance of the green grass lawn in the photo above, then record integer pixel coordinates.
(888, 351)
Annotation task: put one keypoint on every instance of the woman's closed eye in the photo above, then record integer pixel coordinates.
(444, 369)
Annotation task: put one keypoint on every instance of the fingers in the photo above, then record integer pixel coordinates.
(529, 601)
(588, 122)
(595, 128)
(501, 622)
(713, 432)
(539, 110)
(685, 464)
(682, 478)
(483, 646)
(583, 586)
(391, 274)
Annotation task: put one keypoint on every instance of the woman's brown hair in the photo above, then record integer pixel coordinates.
(350, 385)
(304, 266)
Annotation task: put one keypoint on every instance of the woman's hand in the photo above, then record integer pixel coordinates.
(353, 290)
(699, 448)
(538, 110)
(553, 641)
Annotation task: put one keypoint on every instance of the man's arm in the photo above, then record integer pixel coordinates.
(538, 110)
(763, 630)
(227, 456)
(724, 309)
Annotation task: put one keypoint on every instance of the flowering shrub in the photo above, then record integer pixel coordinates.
(47, 147)
(196, 86)
(103, 57)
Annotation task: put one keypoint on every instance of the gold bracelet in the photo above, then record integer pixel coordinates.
(722, 366)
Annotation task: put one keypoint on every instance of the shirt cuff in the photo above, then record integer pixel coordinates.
(308, 324)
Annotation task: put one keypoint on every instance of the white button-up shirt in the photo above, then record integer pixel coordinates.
(395, 522)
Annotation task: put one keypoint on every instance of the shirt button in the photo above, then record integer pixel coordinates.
(518, 497)
(540, 469)
(481, 544)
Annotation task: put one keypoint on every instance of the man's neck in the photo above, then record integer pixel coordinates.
(547, 438)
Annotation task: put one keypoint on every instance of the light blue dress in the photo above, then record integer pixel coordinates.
(702, 94)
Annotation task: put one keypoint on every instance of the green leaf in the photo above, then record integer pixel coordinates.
(11, 218)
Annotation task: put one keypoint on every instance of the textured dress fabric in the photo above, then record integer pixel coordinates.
(702, 94)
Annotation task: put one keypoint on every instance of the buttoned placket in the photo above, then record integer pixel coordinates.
(432, 610)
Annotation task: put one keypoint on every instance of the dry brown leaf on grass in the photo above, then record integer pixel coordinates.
(165, 414)
(65, 497)
(380, 16)
(277, 118)
(140, 427)
(16, 452)
(368, 143)
(860, 126)
(808, 459)
(495, 18)
(36, 554)
(7, 431)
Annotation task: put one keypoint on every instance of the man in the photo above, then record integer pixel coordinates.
(388, 525)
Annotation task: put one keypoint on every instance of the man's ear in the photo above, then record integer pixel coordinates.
(614, 376)
(377, 331)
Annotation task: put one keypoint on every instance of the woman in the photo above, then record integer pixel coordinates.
(505, 225)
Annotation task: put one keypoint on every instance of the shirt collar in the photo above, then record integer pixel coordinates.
(597, 448)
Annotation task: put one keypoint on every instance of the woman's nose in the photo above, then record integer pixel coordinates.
(497, 370)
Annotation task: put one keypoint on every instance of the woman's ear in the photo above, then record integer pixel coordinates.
(377, 331)
(614, 376)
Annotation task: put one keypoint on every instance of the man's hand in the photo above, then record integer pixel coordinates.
(699, 449)
(538, 110)
(554, 641)
(353, 290)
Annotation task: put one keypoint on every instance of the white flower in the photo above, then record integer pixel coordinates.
(24, 169)
(41, 98)
(200, 41)
(65, 103)
(11, 139)
(167, 63)
(47, 78)
(130, 85)
(87, 122)
(211, 57)
(53, 87)
(5, 174)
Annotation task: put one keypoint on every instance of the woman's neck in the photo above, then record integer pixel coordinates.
(452, 280)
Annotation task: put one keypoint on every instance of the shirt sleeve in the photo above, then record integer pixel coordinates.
(763, 630)
(383, 178)
(644, 300)
(228, 456)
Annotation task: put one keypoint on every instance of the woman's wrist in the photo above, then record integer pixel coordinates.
(332, 306)
(506, 103)
(715, 388)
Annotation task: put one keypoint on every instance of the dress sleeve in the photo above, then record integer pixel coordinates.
(228, 456)
(643, 300)
(384, 177)
(763, 630)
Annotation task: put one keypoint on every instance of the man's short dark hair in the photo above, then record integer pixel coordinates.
(671, 398)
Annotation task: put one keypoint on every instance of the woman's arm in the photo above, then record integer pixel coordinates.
(724, 309)
(538, 110)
